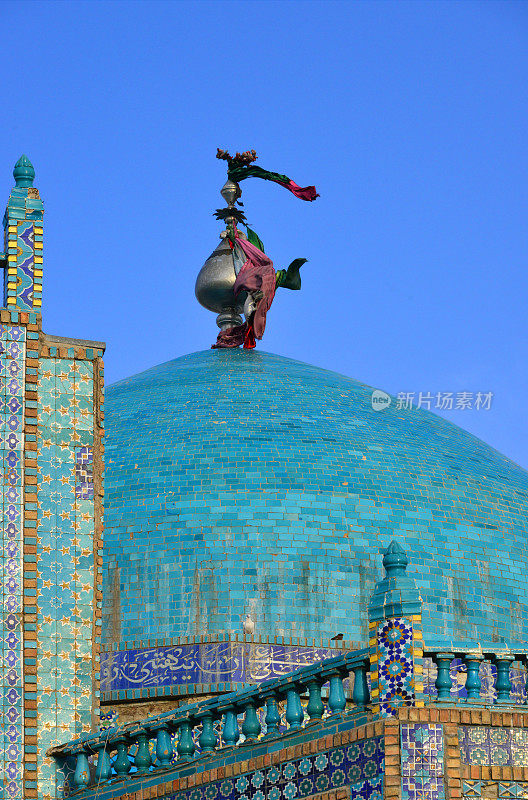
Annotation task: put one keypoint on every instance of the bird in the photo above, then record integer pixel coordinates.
(337, 637)
(248, 626)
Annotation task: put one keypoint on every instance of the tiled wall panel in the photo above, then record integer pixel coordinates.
(66, 555)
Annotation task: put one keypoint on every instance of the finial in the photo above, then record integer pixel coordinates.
(24, 172)
(395, 559)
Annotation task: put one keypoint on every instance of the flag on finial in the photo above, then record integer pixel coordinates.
(240, 166)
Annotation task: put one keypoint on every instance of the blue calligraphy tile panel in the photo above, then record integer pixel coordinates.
(487, 746)
(12, 372)
(209, 663)
(360, 766)
(422, 762)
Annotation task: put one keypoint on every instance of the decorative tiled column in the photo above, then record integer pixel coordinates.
(395, 637)
(51, 429)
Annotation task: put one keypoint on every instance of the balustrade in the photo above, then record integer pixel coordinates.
(139, 748)
(497, 672)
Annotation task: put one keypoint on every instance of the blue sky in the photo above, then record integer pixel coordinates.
(410, 118)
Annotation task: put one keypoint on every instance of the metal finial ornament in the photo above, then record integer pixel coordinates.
(238, 276)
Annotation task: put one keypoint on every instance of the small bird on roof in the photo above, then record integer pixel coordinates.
(248, 626)
(337, 637)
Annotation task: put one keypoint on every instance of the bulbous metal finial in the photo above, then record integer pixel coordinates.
(24, 172)
(230, 191)
(215, 281)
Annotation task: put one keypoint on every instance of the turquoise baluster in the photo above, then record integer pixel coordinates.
(473, 682)
(503, 684)
(122, 763)
(81, 776)
(336, 698)
(164, 749)
(208, 739)
(251, 726)
(230, 733)
(360, 693)
(142, 759)
(315, 707)
(443, 681)
(273, 718)
(294, 710)
(103, 769)
(185, 747)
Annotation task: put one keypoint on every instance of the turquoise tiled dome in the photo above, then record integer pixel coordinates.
(243, 482)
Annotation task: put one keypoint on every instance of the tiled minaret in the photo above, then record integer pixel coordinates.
(51, 431)
(395, 637)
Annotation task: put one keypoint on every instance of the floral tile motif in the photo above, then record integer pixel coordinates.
(395, 665)
(360, 766)
(500, 747)
(422, 762)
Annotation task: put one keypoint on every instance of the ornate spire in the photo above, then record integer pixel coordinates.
(396, 594)
(238, 276)
(24, 172)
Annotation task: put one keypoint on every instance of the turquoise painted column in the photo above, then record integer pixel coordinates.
(230, 732)
(443, 681)
(273, 718)
(360, 692)
(103, 770)
(294, 710)
(185, 747)
(473, 682)
(142, 759)
(122, 763)
(208, 739)
(503, 685)
(395, 637)
(251, 726)
(336, 695)
(81, 776)
(164, 749)
(315, 707)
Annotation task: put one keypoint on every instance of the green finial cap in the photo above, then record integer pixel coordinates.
(24, 172)
(396, 594)
(395, 559)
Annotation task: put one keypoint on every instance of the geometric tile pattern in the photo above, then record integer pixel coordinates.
(23, 235)
(501, 747)
(395, 664)
(12, 372)
(359, 766)
(422, 762)
(238, 479)
(503, 790)
(84, 486)
(65, 577)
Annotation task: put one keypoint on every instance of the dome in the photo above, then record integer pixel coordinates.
(241, 482)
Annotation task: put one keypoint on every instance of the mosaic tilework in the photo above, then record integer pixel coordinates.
(84, 486)
(12, 361)
(502, 747)
(65, 533)
(23, 235)
(503, 790)
(395, 664)
(244, 482)
(422, 762)
(487, 675)
(359, 765)
(207, 663)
